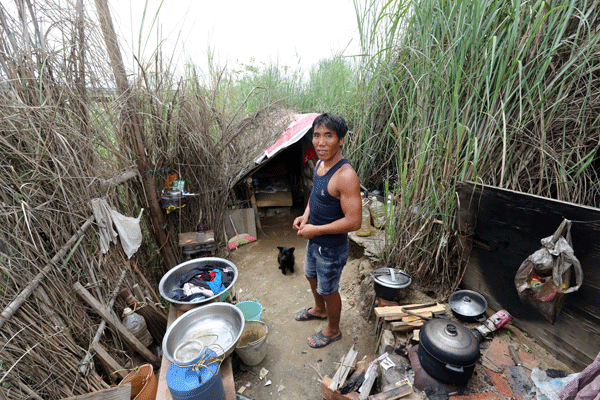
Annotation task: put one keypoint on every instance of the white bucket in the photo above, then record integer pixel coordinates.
(252, 346)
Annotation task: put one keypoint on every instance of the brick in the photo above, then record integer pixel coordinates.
(497, 356)
(386, 303)
(500, 384)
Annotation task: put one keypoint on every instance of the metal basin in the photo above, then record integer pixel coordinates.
(218, 326)
(170, 281)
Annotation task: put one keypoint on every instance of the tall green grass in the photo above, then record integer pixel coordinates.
(504, 93)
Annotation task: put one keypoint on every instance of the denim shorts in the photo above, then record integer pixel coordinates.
(325, 264)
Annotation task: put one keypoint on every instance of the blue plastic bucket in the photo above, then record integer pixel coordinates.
(187, 382)
(251, 310)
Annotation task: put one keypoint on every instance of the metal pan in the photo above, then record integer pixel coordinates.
(468, 306)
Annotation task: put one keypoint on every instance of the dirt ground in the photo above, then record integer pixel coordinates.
(295, 369)
(293, 366)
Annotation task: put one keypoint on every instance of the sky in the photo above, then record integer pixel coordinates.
(292, 34)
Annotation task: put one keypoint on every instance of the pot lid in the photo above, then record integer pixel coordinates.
(392, 278)
(467, 303)
(449, 342)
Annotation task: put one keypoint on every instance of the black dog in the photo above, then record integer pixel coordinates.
(285, 258)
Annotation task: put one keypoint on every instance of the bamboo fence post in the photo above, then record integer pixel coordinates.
(10, 310)
(132, 126)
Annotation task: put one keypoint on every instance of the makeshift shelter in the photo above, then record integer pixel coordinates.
(282, 176)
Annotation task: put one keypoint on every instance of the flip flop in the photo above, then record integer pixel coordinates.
(304, 315)
(321, 340)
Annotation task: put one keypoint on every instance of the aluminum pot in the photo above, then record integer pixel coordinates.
(468, 306)
(448, 351)
(390, 284)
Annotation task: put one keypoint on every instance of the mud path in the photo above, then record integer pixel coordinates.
(291, 363)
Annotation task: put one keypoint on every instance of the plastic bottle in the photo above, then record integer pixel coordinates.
(136, 324)
(365, 225)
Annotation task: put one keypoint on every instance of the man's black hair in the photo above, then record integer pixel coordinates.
(333, 122)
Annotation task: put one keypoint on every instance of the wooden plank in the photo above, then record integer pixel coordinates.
(114, 322)
(116, 393)
(401, 326)
(346, 365)
(111, 366)
(415, 336)
(395, 312)
(367, 385)
(244, 221)
(395, 393)
(501, 228)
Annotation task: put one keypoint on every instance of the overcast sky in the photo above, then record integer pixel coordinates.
(290, 33)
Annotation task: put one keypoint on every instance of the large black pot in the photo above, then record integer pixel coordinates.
(390, 284)
(448, 351)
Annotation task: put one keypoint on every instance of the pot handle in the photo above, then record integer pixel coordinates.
(455, 369)
(481, 318)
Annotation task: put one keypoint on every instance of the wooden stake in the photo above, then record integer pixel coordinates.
(115, 323)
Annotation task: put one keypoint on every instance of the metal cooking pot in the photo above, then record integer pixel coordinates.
(390, 284)
(468, 306)
(173, 194)
(448, 351)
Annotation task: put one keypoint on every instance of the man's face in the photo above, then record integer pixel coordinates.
(326, 142)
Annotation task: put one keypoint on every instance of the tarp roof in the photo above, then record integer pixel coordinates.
(301, 123)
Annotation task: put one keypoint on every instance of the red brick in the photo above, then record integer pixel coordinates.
(386, 303)
(478, 396)
(498, 354)
(500, 384)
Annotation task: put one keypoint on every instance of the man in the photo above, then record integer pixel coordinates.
(334, 209)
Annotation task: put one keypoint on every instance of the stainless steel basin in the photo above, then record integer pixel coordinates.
(218, 326)
(170, 281)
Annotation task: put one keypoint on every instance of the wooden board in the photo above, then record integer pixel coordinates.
(499, 229)
(244, 221)
(116, 393)
(402, 326)
(111, 366)
(396, 393)
(395, 312)
(114, 323)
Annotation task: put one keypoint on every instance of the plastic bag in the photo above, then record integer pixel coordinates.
(546, 388)
(129, 231)
(543, 279)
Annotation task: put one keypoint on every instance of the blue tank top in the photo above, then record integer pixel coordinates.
(324, 208)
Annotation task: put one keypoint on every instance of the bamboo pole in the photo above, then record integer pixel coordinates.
(10, 310)
(115, 323)
(86, 362)
(133, 127)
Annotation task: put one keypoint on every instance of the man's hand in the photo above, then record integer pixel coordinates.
(308, 231)
(299, 222)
